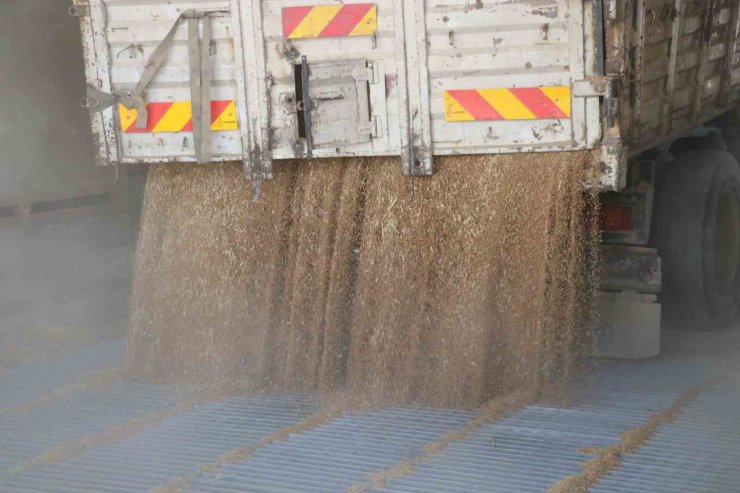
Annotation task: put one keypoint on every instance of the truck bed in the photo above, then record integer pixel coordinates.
(405, 78)
(130, 436)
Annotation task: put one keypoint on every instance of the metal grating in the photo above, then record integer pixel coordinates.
(336, 455)
(526, 452)
(161, 452)
(533, 449)
(699, 452)
(30, 381)
(24, 435)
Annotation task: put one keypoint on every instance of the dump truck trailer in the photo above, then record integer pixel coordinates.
(650, 86)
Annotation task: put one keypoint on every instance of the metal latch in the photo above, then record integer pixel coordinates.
(307, 108)
(96, 101)
(332, 104)
(372, 73)
(590, 87)
(79, 8)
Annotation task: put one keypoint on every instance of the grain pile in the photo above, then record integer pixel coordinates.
(339, 278)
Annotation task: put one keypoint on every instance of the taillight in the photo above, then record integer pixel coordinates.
(617, 218)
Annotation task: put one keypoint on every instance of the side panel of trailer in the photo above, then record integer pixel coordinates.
(263, 80)
(679, 64)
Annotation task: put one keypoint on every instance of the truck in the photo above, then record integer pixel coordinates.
(650, 86)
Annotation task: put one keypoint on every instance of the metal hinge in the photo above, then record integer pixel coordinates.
(370, 127)
(372, 73)
(607, 87)
(79, 8)
(367, 74)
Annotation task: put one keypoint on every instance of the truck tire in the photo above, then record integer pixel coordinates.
(731, 136)
(698, 236)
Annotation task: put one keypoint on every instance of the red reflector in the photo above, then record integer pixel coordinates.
(617, 218)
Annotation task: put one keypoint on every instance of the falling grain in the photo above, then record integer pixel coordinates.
(470, 288)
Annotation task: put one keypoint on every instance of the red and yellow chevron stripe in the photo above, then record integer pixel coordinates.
(518, 103)
(178, 117)
(330, 21)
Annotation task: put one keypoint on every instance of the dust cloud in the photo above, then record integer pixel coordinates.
(468, 285)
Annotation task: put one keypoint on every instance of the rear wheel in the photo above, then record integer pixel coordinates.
(699, 242)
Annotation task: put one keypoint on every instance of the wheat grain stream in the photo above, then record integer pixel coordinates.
(476, 284)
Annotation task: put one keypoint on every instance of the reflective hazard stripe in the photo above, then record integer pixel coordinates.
(330, 21)
(519, 103)
(178, 117)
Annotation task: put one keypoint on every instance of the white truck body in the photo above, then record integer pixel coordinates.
(409, 77)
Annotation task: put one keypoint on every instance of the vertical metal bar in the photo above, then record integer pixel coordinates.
(618, 43)
(676, 37)
(259, 104)
(404, 112)
(619, 39)
(204, 154)
(733, 26)
(599, 35)
(196, 94)
(419, 88)
(576, 33)
(97, 75)
(241, 87)
(595, 65)
(638, 70)
(413, 82)
(363, 79)
(701, 76)
(307, 107)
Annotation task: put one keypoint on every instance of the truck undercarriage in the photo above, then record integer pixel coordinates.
(671, 244)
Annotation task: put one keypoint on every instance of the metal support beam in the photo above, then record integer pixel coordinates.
(413, 83)
(706, 44)
(253, 99)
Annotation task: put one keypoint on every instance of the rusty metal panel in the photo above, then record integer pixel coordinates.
(680, 68)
